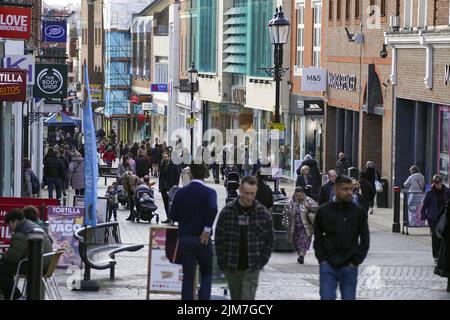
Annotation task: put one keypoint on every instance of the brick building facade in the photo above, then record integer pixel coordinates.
(420, 73)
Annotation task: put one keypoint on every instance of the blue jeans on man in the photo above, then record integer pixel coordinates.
(330, 277)
(54, 183)
(192, 251)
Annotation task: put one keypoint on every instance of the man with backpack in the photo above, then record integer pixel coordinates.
(30, 183)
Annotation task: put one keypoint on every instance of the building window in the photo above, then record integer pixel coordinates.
(347, 9)
(383, 8)
(422, 14)
(148, 50)
(161, 74)
(317, 35)
(300, 35)
(330, 10)
(357, 9)
(407, 20)
(338, 9)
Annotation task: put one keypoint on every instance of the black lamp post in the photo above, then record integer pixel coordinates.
(193, 74)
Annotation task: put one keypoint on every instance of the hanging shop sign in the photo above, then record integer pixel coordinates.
(447, 75)
(161, 87)
(96, 91)
(24, 62)
(314, 108)
(147, 106)
(238, 96)
(15, 22)
(185, 86)
(314, 79)
(339, 81)
(51, 81)
(54, 31)
(13, 85)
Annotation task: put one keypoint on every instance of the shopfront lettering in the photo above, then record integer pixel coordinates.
(447, 75)
(339, 81)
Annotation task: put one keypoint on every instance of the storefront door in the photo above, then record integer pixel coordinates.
(443, 160)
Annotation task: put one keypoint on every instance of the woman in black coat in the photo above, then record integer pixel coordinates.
(307, 182)
(443, 264)
(371, 175)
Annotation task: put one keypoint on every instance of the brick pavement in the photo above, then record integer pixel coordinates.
(397, 267)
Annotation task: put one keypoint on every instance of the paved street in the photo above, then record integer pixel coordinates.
(397, 266)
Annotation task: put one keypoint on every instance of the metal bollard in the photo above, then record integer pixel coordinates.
(35, 264)
(396, 223)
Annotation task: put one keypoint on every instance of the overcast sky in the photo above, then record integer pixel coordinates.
(60, 3)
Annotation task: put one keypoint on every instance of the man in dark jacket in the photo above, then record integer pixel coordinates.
(313, 167)
(433, 203)
(142, 163)
(17, 251)
(342, 165)
(244, 241)
(65, 177)
(264, 194)
(194, 207)
(169, 176)
(54, 171)
(367, 189)
(326, 191)
(342, 238)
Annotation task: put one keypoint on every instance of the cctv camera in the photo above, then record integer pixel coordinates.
(383, 52)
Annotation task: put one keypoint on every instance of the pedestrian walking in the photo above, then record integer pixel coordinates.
(298, 217)
(313, 167)
(65, 177)
(109, 157)
(341, 241)
(307, 182)
(367, 191)
(143, 164)
(213, 150)
(134, 150)
(76, 174)
(27, 187)
(194, 207)
(130, 181)
(342, 165)
(374, 177)
(416, 181)
(244, 241)
(54, 170)
(113, 201)
(264, 194)
(433, 204)
(326, 191)
(443, 264)
(155, 160)
(169, 176)
(17, 251)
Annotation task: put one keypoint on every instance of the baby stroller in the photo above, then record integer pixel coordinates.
(145, 204)
(232, 185)
(122, 197)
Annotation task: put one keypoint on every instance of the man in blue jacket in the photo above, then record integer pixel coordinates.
(194, 207)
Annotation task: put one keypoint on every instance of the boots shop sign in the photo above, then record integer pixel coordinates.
(15, 22)
(13, 85)
(340, 81)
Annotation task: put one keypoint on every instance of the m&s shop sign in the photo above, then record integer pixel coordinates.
(15, 22)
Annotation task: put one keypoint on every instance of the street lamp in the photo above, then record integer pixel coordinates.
(193, 75)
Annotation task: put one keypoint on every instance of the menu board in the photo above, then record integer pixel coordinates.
(163, 276)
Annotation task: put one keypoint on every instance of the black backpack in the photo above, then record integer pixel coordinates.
(35, 184)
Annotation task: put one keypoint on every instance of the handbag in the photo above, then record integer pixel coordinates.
(378, 185)
(441, 226)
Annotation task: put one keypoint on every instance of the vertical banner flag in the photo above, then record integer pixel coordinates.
(90, 156)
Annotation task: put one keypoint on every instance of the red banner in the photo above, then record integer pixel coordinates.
(15, 22)
(13, 85)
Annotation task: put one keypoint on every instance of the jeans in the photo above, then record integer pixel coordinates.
(192, 251)
(215, 171)
(435, 241)
(131, 204)
(330, 276)
(112, 210)
(54, 183)
(243, 284)
(165, 197)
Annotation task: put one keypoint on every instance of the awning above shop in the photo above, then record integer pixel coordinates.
(62, 120)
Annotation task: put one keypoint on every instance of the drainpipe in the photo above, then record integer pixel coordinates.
(428, 63)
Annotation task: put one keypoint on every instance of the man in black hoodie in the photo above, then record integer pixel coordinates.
(341, 242)
(54, 171)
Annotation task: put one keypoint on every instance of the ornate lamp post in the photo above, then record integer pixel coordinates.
(193, 75)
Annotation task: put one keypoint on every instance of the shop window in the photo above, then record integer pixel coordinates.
(443, 145)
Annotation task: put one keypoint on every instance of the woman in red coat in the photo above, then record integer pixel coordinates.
(109, 157)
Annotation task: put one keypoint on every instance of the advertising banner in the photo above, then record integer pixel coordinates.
(5, 233)
(13, 85)
(64, 222)
(50, 81)
(101, 207)
(54, 31)
(15, 22)
(96, 91)
(23, 62)
(413, 206)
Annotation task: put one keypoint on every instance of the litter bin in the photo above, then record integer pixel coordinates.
(382, 197)
(279, 231)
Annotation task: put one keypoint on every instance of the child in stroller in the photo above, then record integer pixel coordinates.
(145, 204)
(232, 182)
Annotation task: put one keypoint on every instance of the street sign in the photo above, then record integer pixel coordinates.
(13, 85)
(185, 86)
(147, 106)
(23, 62)
(51, 81)
(190, 123)
(314, 79)
(277, 126)
(162, 87)
(15, 22)
(54, 31)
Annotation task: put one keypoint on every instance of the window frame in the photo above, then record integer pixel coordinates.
(317, 50)
(300, 49)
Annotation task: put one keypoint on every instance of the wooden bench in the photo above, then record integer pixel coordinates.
(99, 245)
